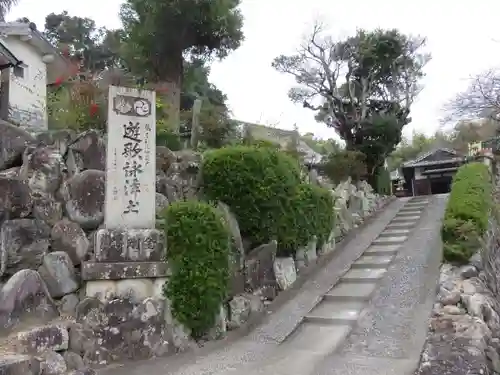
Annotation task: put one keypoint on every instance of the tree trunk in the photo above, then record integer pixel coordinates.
(170, 86)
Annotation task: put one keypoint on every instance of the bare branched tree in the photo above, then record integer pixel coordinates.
(342, 80)
(481, 100)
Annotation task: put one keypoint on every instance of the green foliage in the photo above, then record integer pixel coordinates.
(383, 181)
(78, 106)
(310, 213)
(258, 183)
(377, 138)
(467, 212)
(198, 252)
(95, 48)
(158, 32)
(340, 165)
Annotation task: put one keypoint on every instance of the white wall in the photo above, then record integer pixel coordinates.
(28, 95)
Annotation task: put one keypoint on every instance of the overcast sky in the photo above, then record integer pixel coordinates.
(463, 37)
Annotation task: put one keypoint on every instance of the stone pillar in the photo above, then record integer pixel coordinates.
(129, 247)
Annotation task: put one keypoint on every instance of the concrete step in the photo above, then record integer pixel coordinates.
(335, 312)
(389, 240)
(401, 225)
(404, 219)
(382, 250)
(395, 232)
(315, 337)
(345, 291)
(373, 261)
(403, 213)
(363, 275)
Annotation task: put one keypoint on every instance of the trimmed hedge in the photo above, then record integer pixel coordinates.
(198, 251)
(311, 213)
(258, 183)
(467, 212)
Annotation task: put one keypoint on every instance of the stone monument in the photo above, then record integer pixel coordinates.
(129, 246)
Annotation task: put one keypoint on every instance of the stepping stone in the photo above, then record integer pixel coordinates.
(333, 312)
(373, 261)
(392, 240)
(316, 337)
(345, 291)
(363, 275)
(382, 250)
(395, 232)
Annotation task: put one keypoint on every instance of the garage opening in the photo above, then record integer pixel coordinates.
(441, 185)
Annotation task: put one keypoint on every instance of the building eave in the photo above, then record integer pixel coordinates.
(34, 38)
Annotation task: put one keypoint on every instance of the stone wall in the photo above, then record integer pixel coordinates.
(464, 328)
(75, 295)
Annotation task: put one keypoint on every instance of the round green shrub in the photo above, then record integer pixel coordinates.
(198, 254)
(310, 214)
(258, 183)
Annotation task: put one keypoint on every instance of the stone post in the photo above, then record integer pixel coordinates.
(128, 257)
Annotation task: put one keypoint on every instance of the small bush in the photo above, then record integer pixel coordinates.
(343, 164)
(198, 251)
(310, 213)
(467, 212)
(258, 183)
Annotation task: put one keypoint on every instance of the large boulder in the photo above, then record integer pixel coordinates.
(84, 196)
(43, 169)
(92, 150)
(69, 237)
(58, 272)
(23, 244)
(23, 299)
(15, 198)
(13, 142)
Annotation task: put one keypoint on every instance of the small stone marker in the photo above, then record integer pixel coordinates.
(131, 159)
(129, 247)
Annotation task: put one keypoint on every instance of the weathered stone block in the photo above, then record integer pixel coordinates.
(132, 245)
(40, 339)
(25, 298)
(259, 266)
(124, 270)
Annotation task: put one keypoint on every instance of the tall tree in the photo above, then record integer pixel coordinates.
(362, 86)
(95, 47)
(158, 33)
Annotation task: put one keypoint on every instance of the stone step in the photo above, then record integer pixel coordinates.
(18, 364)
(404, 213)
(363, 275)
(401, 225)
(373, 261)
(395, 232)
(311, 336)
(335, 312)
(382, 250)
(404, 219)
(392, 240)
(345, 291)
(415, 204)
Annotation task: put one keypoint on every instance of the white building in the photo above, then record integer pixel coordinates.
(29, 64)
